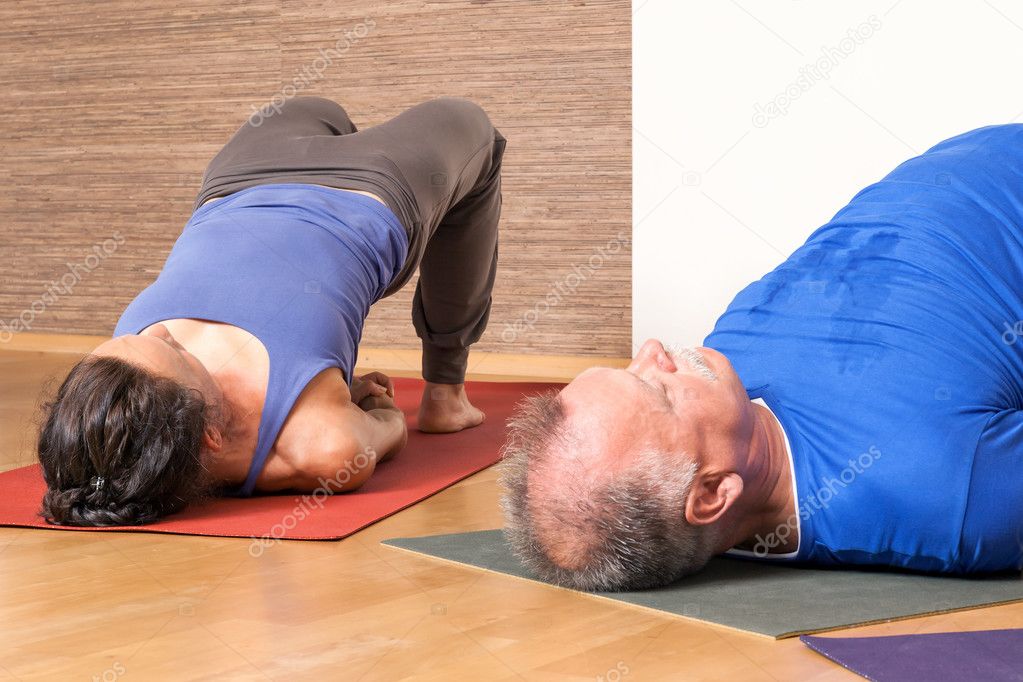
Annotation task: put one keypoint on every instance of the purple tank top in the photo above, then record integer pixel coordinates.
(297, 266)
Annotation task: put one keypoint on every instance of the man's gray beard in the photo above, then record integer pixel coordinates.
(691, 358)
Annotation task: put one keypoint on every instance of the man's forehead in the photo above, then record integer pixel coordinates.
(597, 389)
(598, 405)
(611, 411)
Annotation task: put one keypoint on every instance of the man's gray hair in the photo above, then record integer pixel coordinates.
(591, 530)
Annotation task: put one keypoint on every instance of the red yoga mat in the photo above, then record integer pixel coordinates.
(428, 464)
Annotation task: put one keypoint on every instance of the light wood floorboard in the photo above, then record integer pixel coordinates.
(163, 607)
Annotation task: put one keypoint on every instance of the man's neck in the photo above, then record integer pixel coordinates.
(769, 484)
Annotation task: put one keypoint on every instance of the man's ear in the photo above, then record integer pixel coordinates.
(212, 439)
(712, 494)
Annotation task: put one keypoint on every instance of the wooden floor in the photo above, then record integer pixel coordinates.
(162, 607)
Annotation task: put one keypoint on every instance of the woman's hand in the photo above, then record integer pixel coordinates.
(373, 393)
(377, 402)
(372, 385)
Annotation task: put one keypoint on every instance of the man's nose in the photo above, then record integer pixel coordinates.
(652, 355)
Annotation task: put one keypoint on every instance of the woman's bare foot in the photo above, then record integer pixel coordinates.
(445, 408)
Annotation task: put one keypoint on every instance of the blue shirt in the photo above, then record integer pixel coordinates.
(296, 265)
(890, 348)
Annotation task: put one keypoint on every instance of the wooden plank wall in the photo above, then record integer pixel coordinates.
(114, 108)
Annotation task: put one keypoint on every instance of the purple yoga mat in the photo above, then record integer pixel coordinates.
(988, 655)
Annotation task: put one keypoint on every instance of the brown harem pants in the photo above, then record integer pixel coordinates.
(437, 165)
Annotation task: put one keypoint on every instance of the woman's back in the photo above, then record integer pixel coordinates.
(296, 267)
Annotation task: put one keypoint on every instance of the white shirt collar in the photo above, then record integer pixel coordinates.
(795, 496)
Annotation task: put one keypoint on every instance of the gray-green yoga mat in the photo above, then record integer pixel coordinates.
(767, 599)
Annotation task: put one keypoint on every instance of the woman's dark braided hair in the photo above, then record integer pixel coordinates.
(122, 446)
